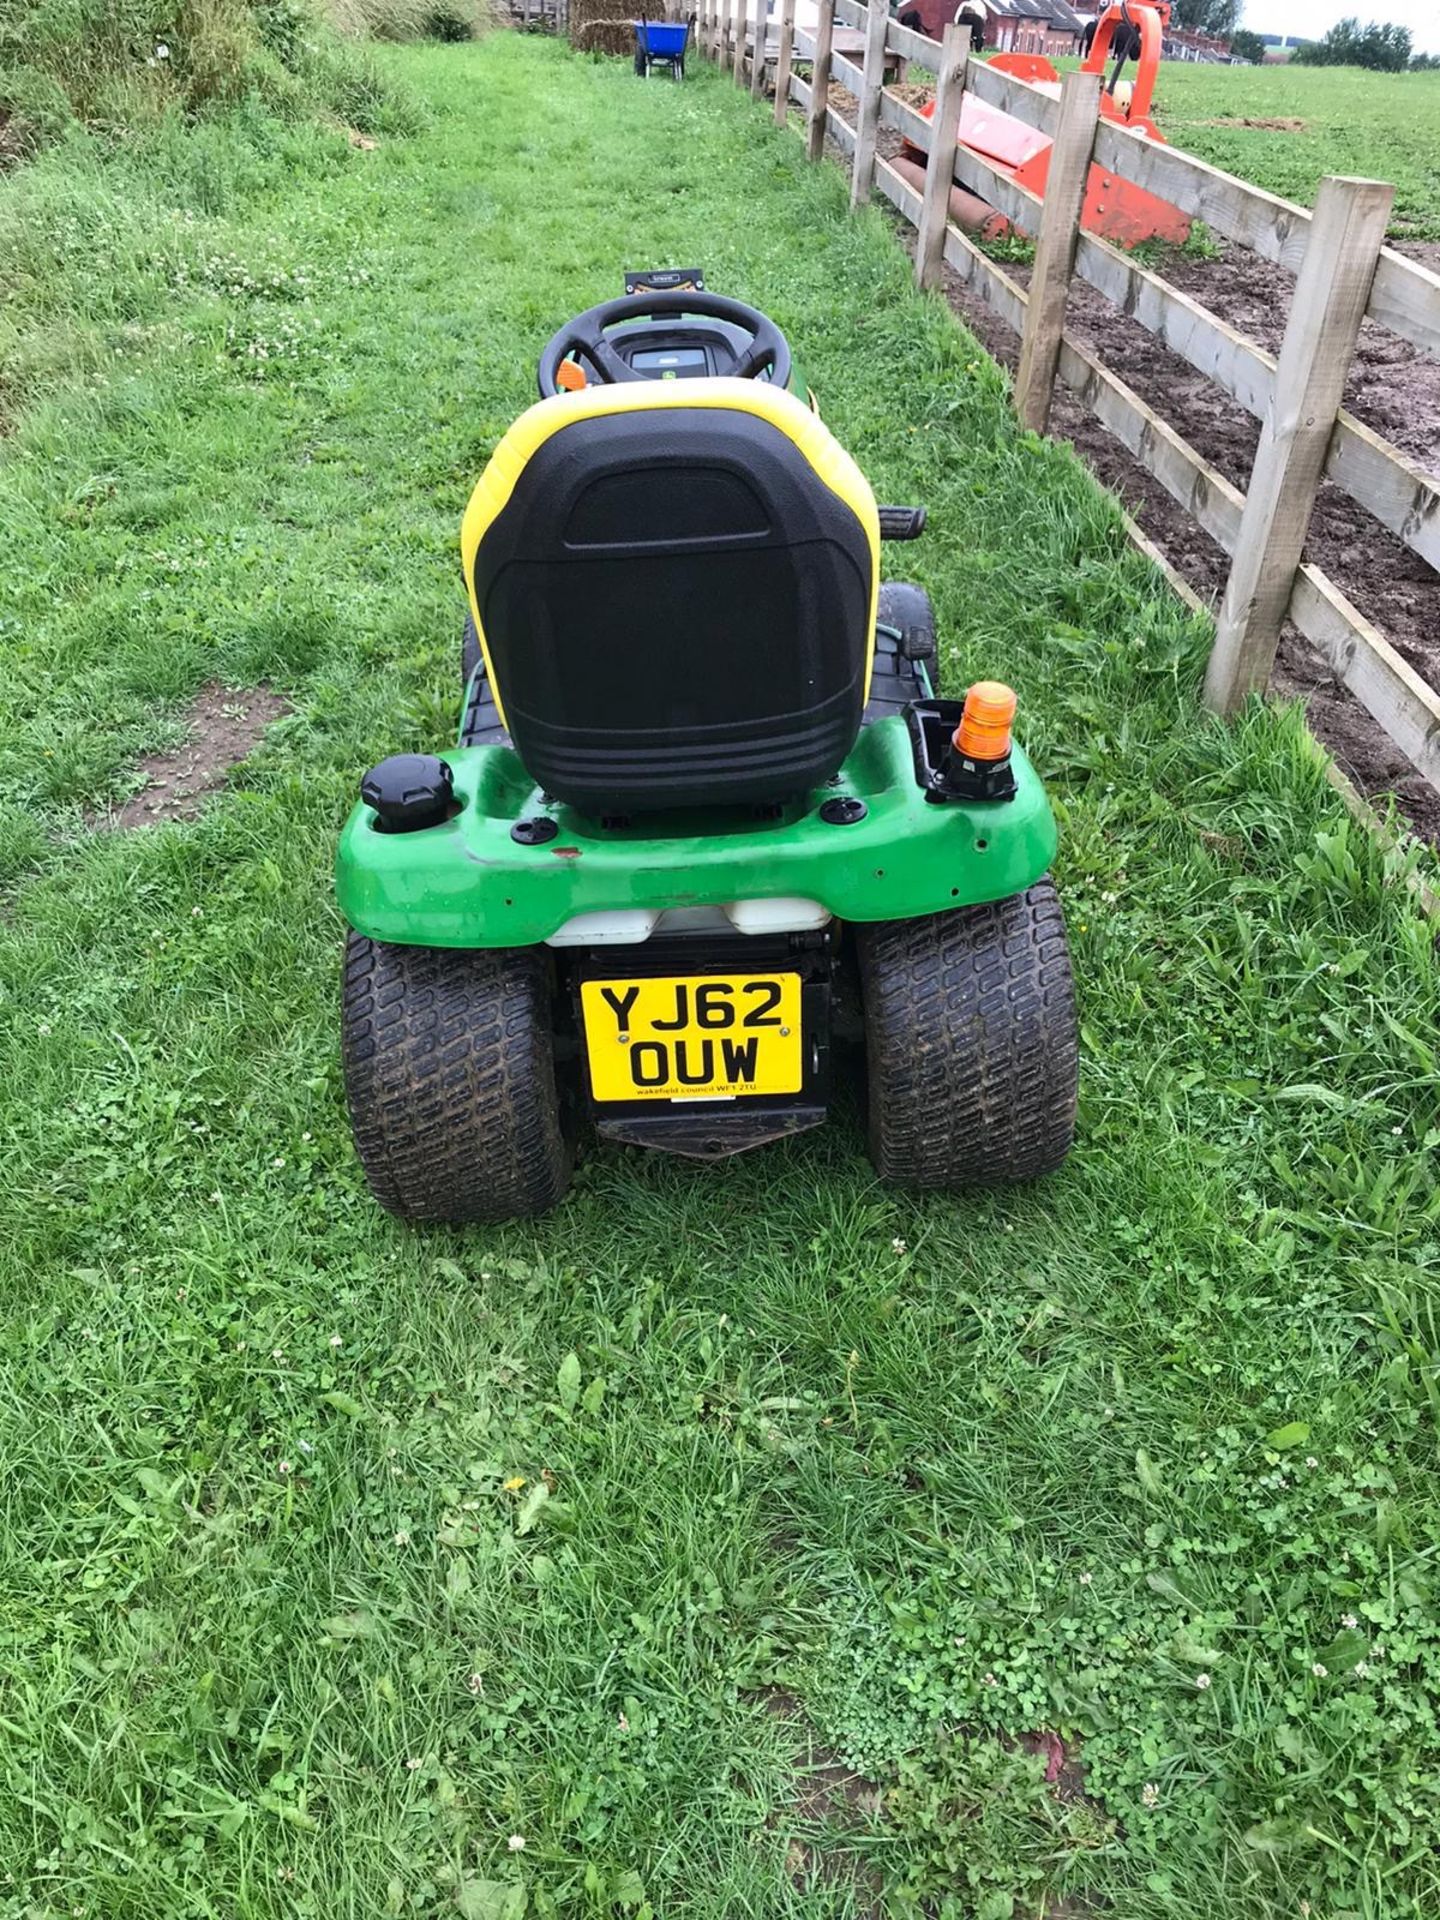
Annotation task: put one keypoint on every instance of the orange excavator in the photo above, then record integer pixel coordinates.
(1114, 208)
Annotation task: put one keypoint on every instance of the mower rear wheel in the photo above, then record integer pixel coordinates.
(450, 1080)
(971, 1042)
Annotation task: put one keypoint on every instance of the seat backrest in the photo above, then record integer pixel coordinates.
(674, 584)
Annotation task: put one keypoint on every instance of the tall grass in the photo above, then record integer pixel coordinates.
(144, 128)
(122, 65)
(414, 19)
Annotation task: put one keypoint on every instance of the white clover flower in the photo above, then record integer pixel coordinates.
(516, 1843)
(1319, 1669)
(1202, 1681)
(1149, 1794)
(897, 1245)
(1349, 1620)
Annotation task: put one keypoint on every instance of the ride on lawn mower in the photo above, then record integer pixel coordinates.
(708, 820)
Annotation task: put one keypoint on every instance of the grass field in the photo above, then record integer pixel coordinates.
(1337, 120)
(340, 1559)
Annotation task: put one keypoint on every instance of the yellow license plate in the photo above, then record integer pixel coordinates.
(704, 1037)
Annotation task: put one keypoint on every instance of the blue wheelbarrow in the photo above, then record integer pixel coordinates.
(662, 43)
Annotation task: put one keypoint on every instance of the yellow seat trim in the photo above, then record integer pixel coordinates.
(829, 460)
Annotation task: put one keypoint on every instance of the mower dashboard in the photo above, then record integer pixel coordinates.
(690, 349)
(667, 326)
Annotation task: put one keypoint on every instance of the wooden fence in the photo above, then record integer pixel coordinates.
(1343, 272)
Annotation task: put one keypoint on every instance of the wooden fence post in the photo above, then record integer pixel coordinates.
(820, 81)
(1332, 290)
(702, 27)
(862, 177)
(757, 66)
(742, 16)
(722, 50)
(784, 59)
(945, 125)
(1055, 249)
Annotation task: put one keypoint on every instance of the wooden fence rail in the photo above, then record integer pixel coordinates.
(1344, 272)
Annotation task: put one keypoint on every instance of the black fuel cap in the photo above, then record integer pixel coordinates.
(409, 791)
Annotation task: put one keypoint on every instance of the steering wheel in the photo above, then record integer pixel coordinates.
(584, 336)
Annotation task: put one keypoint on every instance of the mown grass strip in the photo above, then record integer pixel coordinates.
(341, 1557)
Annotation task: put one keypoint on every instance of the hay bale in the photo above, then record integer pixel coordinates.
(606, 36)
(583, 13)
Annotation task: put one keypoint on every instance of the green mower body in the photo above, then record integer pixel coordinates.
(468, 882)
(724, 842)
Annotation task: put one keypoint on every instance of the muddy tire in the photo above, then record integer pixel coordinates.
(450, 1081)
(971, 1043)
(907, 608)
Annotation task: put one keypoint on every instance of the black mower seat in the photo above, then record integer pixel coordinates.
(674, 585)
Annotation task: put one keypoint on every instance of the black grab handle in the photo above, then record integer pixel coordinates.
(902, 523)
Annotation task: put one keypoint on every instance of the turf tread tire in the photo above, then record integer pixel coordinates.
(450, 1080)
(470, 654)
(972, 1043)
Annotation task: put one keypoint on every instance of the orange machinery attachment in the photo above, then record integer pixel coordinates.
(1113, 208)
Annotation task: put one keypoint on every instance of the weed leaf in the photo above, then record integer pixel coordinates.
(567, 1381)
(531, 1506)
(491, 1899)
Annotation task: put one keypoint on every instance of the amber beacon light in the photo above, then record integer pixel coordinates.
(977, 766)
(984, 729)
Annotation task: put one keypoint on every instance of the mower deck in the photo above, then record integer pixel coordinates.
(471, 882)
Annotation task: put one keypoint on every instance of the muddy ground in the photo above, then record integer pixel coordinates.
(1393, 387)
(222, 726)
